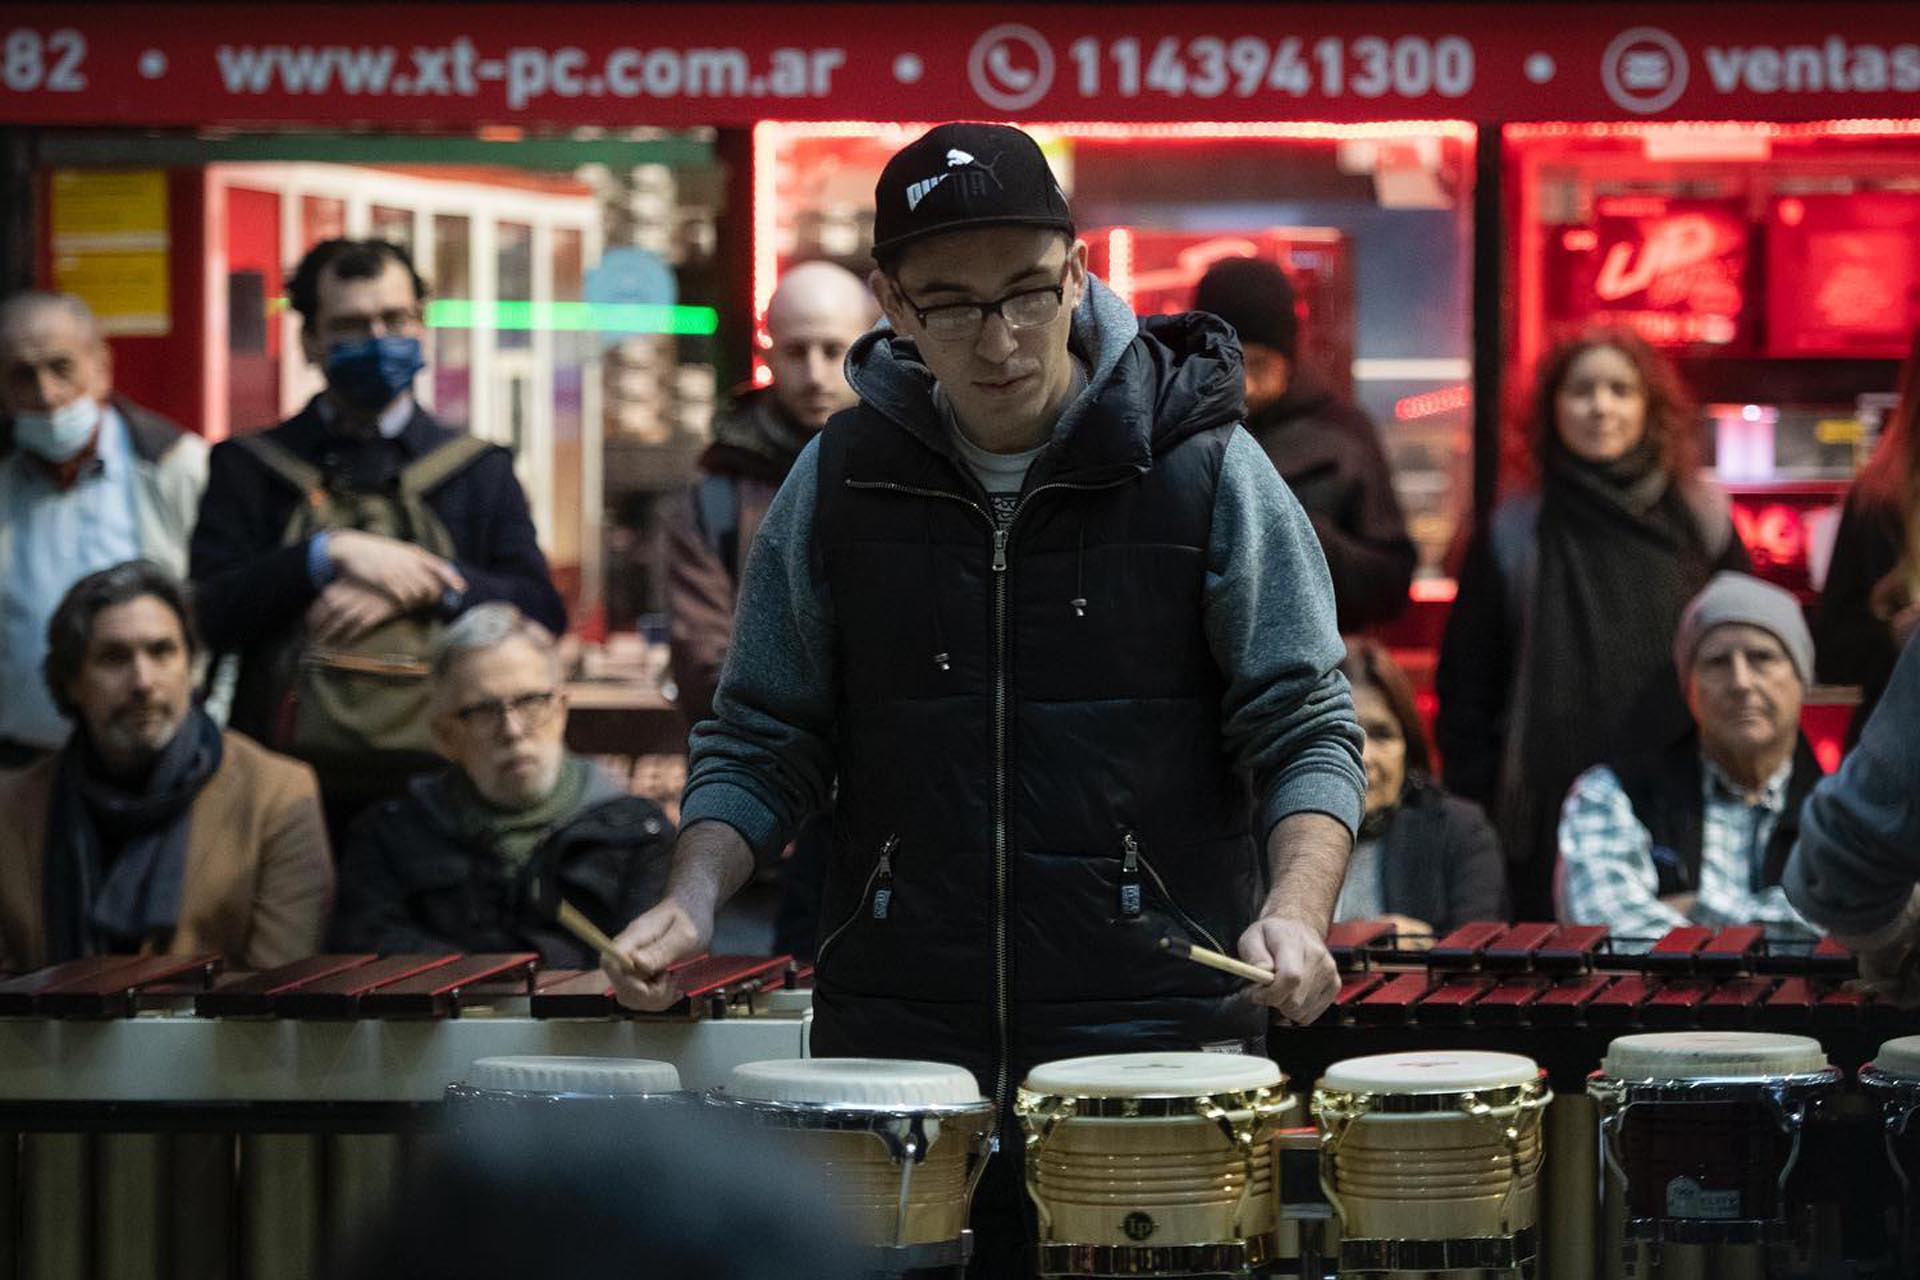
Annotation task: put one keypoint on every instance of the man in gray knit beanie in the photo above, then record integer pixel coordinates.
(1697, 831)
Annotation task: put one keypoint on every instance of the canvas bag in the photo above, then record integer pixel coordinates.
(346, 705)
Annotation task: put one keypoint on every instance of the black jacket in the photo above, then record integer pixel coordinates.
(1329, 453)
(1853, 646)
(1020, 820)
(410, 881)
(1668, 797)
(1440, 861)
(250, 588)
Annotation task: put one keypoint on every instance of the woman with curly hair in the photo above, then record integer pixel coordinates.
(1559, 648)
(1871, 604)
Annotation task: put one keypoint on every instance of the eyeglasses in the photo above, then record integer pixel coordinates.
(962, 321)
(353, 328)
(532, 710)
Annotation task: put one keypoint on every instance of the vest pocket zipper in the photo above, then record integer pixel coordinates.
(876, 896)
(1132, 864)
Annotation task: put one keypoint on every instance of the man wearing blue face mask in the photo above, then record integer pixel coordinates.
(361, 524)
(92, 480)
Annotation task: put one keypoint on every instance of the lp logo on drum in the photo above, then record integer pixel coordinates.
(1138, 1225)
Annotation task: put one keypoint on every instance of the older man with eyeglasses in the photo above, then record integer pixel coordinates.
(464, 860)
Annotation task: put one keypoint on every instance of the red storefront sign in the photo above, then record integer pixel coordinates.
(696, 64)
(1674, 270)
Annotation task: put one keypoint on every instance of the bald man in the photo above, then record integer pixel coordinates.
(91, 480)
(814, 316)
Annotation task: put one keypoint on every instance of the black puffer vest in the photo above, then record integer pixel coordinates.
(1667, 791)
(1033, 785)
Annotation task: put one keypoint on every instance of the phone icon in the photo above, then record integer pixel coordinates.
(1000, 63)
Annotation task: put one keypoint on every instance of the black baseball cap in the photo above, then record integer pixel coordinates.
(955, 177)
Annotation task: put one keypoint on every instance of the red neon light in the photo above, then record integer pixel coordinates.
(1774, 533)
(1564, 129)
(1430, 404)
(771, 136)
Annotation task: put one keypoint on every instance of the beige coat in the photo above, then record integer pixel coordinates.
(259, 876)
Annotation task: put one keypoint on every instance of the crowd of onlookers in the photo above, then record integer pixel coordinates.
(302, 689)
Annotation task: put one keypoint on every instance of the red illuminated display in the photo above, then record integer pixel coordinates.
(1674, 270)
(1156, 271)
(1844, 274)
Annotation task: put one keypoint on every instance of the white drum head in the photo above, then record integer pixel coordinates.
(573, 1075)
(1430, 1071)
(1153, 1075)
(1695, 1055)
(873, 1082)
(1899, 1057)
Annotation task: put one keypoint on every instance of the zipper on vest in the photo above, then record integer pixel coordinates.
(1129, 875)
(881, 875)
(883, 880)
(1002, 536)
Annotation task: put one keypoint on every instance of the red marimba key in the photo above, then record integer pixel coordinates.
(1735, 950)
(1619, 1004)
(1462, 948)
(1733, 1003)
(436, 993)
(1563, 1004)
(1676, 1004)
(1516, 949)
(1508, 1004)
(1571, 949)
(1452, 1003)
(1674, 953)
(1392, 1004)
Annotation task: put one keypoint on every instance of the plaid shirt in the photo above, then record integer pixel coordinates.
(1607, 873)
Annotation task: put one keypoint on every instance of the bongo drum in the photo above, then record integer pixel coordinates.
(1892, 1079)
(899, 1145)
(1153, 1164)
(564, 1082)
(1700, 1131)
(1431, 1160)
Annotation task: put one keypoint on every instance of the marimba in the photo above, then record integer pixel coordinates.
(160, 1118)
(1559, 993)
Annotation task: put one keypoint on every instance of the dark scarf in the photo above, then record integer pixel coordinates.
(1620, 554)
(99, 900)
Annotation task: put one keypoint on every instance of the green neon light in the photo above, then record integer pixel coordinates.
(602, 317)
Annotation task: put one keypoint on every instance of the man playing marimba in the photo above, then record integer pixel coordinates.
(1697, 832)
(1049, 614)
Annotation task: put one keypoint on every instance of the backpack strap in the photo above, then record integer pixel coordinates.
(716, 513)
(303, 476)
(423, 475)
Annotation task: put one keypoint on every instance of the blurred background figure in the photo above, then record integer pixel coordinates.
(92, 480)
(1558, 653)
(1326, 449)
(816, 313)
(1870, 606)
(1856, 868)
(673, 1194)
(1423, 859)
(1697, 831)
(814, 316)
(350, 533)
